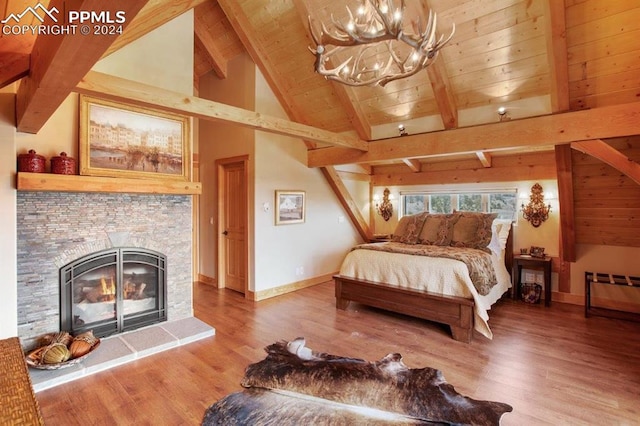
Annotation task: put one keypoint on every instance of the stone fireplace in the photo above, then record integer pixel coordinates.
(113, 291)
(57, 229)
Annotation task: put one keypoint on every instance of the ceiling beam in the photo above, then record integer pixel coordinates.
(556, 37)
(484, 157)
(604, 122)
(347, 202)
(608, 154)
(564, 166)
(13, 67)
(131, 92)
(58, 62)
(413, 164)
(541, 167)
(208, 44)
(155, 14)
(442, 92)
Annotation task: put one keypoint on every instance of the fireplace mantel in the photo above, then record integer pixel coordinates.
(75, 183)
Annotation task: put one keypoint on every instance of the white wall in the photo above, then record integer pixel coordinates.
(218, 140)
(163, 58)
(8, 254)
(319, 244)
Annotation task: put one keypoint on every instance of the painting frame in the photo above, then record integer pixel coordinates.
(290, 206)
(127, 141)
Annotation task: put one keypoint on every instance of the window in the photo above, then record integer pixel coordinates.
(501, 202)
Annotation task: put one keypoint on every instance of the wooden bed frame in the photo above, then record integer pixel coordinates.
(456, 312)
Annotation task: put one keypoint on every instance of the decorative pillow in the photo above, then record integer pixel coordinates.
(499, 235)
(473, 230)
(438, 229)
(409, 228)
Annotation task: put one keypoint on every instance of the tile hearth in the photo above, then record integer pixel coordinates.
(123, 348)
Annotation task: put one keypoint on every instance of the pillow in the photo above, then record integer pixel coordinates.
(437, 229)
(473, 230)
(409, 228)
(503, 226)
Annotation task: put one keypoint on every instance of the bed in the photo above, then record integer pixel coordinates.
(430, 287)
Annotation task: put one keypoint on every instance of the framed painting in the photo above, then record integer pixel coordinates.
(120, 140)
(290, 207)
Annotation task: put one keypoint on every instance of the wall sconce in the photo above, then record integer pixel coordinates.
(536, 211)
(384, 209)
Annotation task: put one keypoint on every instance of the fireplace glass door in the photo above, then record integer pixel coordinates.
(113, 291)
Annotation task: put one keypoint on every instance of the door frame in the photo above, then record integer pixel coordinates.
(220, 252)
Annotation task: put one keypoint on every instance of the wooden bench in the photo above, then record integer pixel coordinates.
(18, 404)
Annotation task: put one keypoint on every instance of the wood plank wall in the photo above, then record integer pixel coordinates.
(607, 203)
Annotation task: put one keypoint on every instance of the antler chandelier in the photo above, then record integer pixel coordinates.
(374, 22)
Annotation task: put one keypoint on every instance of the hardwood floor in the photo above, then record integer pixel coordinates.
(553, 365)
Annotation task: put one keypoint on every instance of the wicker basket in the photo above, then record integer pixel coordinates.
(530, 292)
(34, 359)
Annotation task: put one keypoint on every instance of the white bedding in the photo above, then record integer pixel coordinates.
(437, 275)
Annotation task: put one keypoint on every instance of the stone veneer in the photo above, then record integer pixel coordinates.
(55, 228)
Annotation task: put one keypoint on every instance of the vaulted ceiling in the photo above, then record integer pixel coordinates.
(534, 57)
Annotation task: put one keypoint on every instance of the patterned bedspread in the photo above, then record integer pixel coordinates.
(478, 262)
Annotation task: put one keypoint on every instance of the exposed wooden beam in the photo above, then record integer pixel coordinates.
(556, 36)
(484, 157)
(155, 14)
(564, 165)
(13, 67)
(344, 175)
(604, 122)
(208, 45)
(58, 62)
(413, 164)
(365, 168)
(122, 90)
(347, 202)
(542, 167)
(607, 154)
(443, 94)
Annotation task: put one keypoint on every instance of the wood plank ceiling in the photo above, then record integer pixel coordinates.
(534, 57)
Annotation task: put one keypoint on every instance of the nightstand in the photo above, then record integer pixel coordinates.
(535, 263)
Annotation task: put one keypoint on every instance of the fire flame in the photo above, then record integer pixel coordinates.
(108, 288)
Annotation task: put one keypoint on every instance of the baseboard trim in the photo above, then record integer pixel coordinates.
(572, 299)
(208, 280)
(288, 288)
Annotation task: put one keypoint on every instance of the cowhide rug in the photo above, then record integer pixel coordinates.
(294, 385)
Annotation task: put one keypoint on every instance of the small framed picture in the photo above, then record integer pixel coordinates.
(290, 207)
(536, 251)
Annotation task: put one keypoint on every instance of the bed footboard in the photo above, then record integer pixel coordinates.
(456, 312)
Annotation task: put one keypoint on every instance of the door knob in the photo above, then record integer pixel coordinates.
(225, 232)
